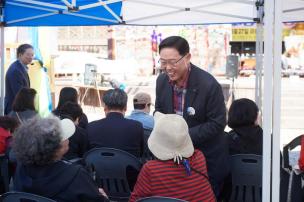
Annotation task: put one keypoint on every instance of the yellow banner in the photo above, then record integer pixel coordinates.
(243, 34)
(249, 33)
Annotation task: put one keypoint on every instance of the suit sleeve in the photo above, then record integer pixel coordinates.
(215, 117)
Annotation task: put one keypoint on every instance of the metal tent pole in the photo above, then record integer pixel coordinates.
(267, 99)
(276, 100)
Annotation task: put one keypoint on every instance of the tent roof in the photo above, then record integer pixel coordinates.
(177, 12)
(138, 12)
(61, 12)
(293, 10)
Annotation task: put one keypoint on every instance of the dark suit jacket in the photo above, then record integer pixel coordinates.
(206, 126)
(115, 131)
(15, 79)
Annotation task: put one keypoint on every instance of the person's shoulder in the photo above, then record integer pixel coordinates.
(198, 154)
(154, 164)
(93, 124)
(13, 68)
(133, 122)
(203, 74)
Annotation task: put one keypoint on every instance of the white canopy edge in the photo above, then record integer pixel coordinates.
(183, 12)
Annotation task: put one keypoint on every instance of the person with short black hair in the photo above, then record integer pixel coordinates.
(70, 94)
(39, 146)
(24, 105)
(17, 75)
(78, 142)
(114, 130)
(246, 136)
(187, 90)
(142, 106)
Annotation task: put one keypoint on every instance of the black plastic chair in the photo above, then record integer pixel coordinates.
(147, 155)
(295, 190)
(246, 172)
(112, 168)
(159, 199)
(4, 172)
(22, 196)
(287, 148)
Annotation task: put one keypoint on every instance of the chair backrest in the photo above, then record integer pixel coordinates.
(147, 155)
(22, 196)
(294, 191)
(111, 167)
(4, 172)
(290, 146)
(159, 199)
(246, 172)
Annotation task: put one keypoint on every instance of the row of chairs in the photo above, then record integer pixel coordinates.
(22, 196)
(110, 165)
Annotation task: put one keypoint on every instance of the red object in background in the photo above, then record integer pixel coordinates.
(301, 159)
(4, 135)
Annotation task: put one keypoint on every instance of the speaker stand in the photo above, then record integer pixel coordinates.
(232, 90)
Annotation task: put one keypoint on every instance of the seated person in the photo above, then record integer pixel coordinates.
(179, 171)
(69, 94)
(7, 127)
(39, 146)
(246, 136)
(78, 142)
(24, 105)
(142, 105)
(115, 131)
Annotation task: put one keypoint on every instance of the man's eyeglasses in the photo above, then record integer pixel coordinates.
(163, 63)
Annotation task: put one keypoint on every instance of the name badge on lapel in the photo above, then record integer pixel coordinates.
(190, 111)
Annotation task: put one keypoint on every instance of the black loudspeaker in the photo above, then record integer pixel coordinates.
(90, 74)
(232, 65)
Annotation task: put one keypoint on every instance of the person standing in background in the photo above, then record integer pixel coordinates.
(17, 75)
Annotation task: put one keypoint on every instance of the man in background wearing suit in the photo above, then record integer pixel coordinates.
(115, 130)
(191, 92)
(17, 75)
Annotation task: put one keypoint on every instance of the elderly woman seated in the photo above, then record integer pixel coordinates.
(179, 171)
(39, 146)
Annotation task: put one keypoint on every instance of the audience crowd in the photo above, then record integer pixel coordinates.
(186, 139)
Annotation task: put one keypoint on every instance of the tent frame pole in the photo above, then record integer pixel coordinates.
(259, 53)
(267, 99)
(276, 100)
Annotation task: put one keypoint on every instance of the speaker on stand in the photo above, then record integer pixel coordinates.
(232, 71)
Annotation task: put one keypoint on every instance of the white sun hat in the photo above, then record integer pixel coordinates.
(67, 128)
(170, 137)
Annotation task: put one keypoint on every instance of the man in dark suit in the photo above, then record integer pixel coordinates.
(115, 131)
(17, 76)
(191, 92)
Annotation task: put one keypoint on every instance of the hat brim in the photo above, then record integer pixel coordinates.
(68, 128)
(162, 152)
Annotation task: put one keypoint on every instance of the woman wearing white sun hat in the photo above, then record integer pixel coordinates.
(180, 171)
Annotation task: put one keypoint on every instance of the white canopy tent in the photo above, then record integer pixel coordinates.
(183, 12)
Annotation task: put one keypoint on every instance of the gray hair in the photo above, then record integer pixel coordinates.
(36, 141)
(115, 99)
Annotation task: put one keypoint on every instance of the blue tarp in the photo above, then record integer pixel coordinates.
(61, 13)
